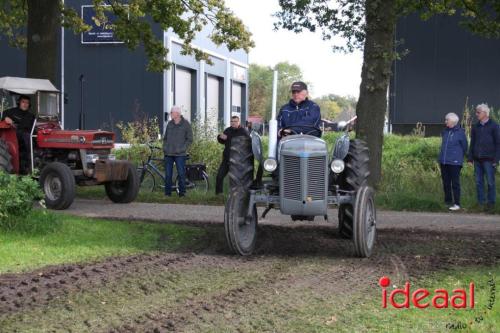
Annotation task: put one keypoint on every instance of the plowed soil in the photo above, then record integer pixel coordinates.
(295, 273)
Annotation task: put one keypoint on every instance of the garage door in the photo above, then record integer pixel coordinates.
(236, 99)
(213, 99)
(183, 93)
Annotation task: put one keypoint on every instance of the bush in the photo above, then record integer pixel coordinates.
(143, 129)
(17, 195)
(205, 148)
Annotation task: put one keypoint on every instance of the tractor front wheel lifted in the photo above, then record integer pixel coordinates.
(58, 184)
(240, 226)
(365, 222)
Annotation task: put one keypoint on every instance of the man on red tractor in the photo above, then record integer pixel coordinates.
(22, 119)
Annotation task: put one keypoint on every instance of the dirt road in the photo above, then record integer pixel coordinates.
(303, 277)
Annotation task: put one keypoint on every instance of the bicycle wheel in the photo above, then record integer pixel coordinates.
(199, 185)
(147, 180)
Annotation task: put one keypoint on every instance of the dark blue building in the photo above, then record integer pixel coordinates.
(117, 86)
(446, 66)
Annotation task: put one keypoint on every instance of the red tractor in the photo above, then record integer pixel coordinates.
(64, 158)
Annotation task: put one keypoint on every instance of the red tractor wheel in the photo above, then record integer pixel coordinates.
(5, 158)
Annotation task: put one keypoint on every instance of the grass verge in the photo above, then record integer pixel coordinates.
(45, 238)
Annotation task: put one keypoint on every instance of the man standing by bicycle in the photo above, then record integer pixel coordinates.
(225, 138)
(176, 141)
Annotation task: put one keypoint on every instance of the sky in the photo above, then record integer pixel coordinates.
(328, 72)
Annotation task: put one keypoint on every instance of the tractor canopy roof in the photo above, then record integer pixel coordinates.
(21, 85)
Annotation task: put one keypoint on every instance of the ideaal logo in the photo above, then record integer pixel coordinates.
(460, 299)
(439, 299)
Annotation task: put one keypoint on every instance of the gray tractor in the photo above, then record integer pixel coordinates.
(306, 180)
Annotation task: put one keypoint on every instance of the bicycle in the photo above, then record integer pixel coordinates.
(148, 172)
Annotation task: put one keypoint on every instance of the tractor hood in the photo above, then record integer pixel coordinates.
(75, 139)
(20, 85)
(302, 146)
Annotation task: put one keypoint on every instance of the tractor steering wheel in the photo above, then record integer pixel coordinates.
(289, 130)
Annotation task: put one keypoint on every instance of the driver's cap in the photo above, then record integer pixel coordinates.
(298, 86)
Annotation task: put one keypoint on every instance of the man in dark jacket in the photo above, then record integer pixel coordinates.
(225, 138)
(22, 119)
(299, 115)
(485, 154)
(176, 141)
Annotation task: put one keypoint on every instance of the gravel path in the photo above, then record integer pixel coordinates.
(214, 214)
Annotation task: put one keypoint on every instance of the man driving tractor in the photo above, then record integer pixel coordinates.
(22, 120)
(299, 115)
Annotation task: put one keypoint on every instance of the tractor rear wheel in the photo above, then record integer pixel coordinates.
(124, 191)
(355, 176)
(58, 184)
(240, 229)
(241, 163)
(365, 222)
(5, 158)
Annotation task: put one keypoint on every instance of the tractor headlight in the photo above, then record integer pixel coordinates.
(91, 158)
(270, 165)
(337, 166)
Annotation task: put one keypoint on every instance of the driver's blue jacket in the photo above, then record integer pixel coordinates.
(300, 117)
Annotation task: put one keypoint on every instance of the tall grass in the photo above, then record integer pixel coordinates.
(411, 179)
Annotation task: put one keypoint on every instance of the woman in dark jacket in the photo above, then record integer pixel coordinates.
(451, 157)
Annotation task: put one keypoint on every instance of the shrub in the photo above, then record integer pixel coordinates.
(17, 195)
(142, 130)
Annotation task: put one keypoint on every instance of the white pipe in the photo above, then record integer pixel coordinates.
(275, 89)
(273, 123)
(273, 137)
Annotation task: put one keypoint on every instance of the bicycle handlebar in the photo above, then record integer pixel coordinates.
(152, 147)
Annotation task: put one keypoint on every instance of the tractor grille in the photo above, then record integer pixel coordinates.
(102, 140)
(103, 153)
(316, 177)
(291, 178)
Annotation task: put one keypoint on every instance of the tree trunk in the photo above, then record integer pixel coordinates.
(375, 75)
(43, 32)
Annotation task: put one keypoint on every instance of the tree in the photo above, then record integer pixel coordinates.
(345, 102)
(329, 108)
(133, 25)
(261, 86)
(369, 25)
(260, 89)
(287, 74)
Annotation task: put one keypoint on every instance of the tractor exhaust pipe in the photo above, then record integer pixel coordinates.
(273, 123)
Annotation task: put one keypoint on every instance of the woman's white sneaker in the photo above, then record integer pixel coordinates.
(454, 207)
